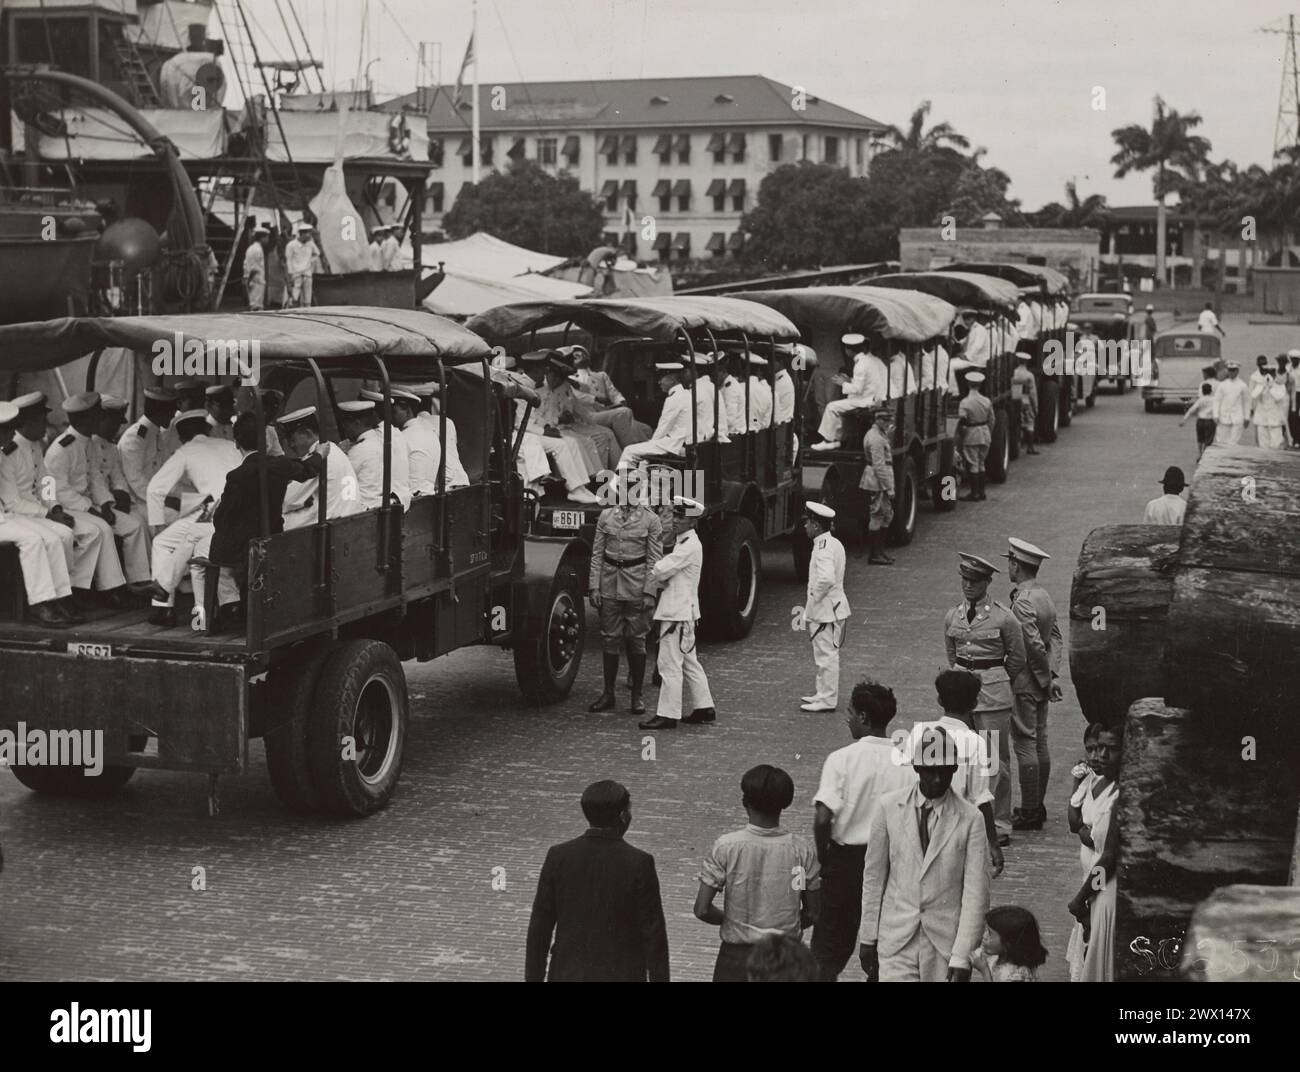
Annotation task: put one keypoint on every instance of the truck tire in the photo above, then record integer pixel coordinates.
(548, 655)
(729, 588)
(1149, 404)
(945, 479)
(1000, 449)
(286, 744)
(801, 552)
(1049, 412)
(1067, 401)
(71, 782)
(907, 489)
(360, 699)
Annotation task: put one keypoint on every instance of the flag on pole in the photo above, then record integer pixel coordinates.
(459, 95)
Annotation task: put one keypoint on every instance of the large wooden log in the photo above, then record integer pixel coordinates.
(1245, 934)
(1194, 814)
(1119, 604)
(1234, 622)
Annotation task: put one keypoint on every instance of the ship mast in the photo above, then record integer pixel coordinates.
(474, 133)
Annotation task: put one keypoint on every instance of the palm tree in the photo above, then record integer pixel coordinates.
(918, 139)
(1172, 150)
(1089, 212)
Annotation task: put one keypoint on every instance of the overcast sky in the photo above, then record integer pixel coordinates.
(1015, 77)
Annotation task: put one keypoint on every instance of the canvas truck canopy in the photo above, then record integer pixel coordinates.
(405, 332)
(906, 315)
(966, 290)
(1047, 280)
(658, 319)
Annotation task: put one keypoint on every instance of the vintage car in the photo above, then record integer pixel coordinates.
(1180, 358)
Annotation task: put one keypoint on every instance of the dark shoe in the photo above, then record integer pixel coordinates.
(880, 559)
(117, 598)
(158, 592)
(701, 715)
(83, 599)
(1026, 822)
(67, 611)
(1032, 450)
(638, 705)
(45, 615)
(163, 616)
(230, 618)
(604, 702)
(1004, 840)
(658, 723)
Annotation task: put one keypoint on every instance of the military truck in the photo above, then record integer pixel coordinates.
(749, 487)
(332, 609)
(923, 446)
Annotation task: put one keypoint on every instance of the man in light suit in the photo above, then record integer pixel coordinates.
(826, 608)
(679, 610)
(926, 888)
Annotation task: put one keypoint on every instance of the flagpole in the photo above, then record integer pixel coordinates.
(473, 33)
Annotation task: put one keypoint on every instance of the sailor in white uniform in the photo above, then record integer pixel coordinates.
(362, 428)
(430, 413)
(826, 608)
(301, 431)
(678, 610)
(674, 428)
(870, 383)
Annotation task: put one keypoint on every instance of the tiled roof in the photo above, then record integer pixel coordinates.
(723, 100)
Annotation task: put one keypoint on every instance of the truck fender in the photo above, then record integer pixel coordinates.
(544, 558)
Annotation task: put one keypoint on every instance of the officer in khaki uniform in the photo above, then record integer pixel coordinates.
(974, 433)
(984, 637)
(1037, 686)
(826, 608)
(627, 544)
(878, 482)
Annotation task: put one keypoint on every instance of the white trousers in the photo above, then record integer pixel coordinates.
(113, 570)
(172, 550)
(1227, 435)
(632, 455)
(42, 555)
(917, 962)
(255, 285)
(832, 426)
(531, 463)
(567, 459)
(826, 654)
(680, 670)
(1269, 435)
(300, 289)
(87, 554)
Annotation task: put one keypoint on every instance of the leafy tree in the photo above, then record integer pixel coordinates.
(980, 190)
(1171, 150)
(531, 208)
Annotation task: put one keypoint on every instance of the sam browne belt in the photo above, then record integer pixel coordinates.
(980, 664)
(624, 563)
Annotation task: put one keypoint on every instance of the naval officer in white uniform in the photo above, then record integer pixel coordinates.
(826, 609)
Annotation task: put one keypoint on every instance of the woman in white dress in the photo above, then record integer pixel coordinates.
(1091, 953)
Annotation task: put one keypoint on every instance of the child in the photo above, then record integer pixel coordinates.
(1203, 408)
(1012, 950)
(771, 877)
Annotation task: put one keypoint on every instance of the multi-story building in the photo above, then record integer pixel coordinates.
(675, 162)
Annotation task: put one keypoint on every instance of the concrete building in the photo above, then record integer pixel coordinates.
(1074, 252)
(682, 157)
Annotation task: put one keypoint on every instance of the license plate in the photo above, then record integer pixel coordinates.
(91, 651)
(567, 519)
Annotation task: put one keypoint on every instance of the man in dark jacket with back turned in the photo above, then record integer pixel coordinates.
(599, 896)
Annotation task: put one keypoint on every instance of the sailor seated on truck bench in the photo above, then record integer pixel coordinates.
(760, 393)
(902, 380)
(546, 418)
(431, 414)
(423, 452)
(605, 404)
(541, 451)
(1030, 316)
(562, 406)
(706, 398)
(674, 427)
(300, 431)
(731, 415)
(869, 384)
(401, 478)
(359, 422)
(935, 362)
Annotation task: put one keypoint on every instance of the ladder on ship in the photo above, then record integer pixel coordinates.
(144, 94)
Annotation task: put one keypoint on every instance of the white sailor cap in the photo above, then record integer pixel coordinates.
(303, 225)
(361, 405)
(219, 390)
(821, 510)
(974, 377)
(372, 395)
(1151, 308)
(1026, 552)
(81, 403)
(755, 359)
(682, 506)
(702, 359)
(192, 415)
(160, 394)
(975, 567)
(8, 412)
(674, 365)
(1022, 355)
(428, 390)
(1233, 365)
(853, 338)
(31, 400)
(401, 394)
(112, 402)
(1293, 353)
(297, 415)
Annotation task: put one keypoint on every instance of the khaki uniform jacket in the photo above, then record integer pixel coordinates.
(995, 633)
(625, 533)
(1036, 613)
(879, 473)
(977, 413)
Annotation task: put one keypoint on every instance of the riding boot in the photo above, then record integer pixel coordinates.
(982, 478)
(637, 661)
(605, 701)
(877, 543)
(973, 495)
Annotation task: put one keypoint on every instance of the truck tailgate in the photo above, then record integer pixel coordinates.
(195, 712)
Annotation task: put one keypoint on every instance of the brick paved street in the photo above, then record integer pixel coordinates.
(103, 891)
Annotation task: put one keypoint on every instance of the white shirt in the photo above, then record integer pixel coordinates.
(680, 569)
(26, 491)
(254, 261)
(1231, 402)
(826, 601)
(456, 475)
(974, 769)
(902, 380)
(978, 344)
(73, 464)
(390, 254)
(1202, 408)
(870, 378)
(1029, 320)
(341, 490)
(783, 398)
(705, 396)
(424, 455)
(142, 450)
(1166, 510)
(674, 427)
(298, 256)
(934, 368)
(367, 458)
(733, 407)
(1270, 401)
(760, 404)
(1207, 321)
(853, 778)
(203, 461)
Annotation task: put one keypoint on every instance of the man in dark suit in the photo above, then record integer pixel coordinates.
(237, 518)
(599, 896)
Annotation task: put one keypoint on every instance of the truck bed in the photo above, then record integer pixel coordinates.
(128, 632)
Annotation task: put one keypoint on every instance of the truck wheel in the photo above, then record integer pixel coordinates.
(1067, 402)
(1049, 412)
(286, 744)
(1000, 449)
(1149, 404)
(547, 660)
(358, 728)
(945, 480)
(801, 551)
(1013, 430)
(72, 782)
(729, 596)
(907, 485)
